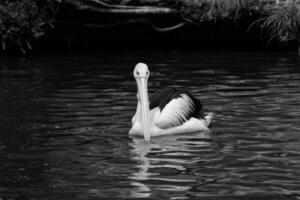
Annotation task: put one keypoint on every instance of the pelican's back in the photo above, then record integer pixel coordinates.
(176, 107)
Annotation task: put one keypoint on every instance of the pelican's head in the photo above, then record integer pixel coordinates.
(141, 71)
(141, 75)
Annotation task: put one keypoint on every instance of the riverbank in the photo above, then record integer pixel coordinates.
(107, 25)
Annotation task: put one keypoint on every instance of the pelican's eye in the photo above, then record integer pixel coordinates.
(147, 73)
(137, 73)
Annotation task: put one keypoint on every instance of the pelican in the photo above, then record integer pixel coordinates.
(168, 111)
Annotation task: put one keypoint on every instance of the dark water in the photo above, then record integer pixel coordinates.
(64, 124)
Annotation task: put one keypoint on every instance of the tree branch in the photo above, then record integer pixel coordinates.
(166, 29)
(106, 5)
(111, 25)
(122, 9)
(128, 22)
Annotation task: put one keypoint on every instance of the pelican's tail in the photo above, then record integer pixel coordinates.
(208, 118)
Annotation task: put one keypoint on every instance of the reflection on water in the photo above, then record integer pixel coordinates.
(174, 152)
(64, 128)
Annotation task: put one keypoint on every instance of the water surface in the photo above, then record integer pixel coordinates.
(64, 124)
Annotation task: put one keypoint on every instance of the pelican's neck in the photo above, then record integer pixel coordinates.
(143, 106)
(139, 111)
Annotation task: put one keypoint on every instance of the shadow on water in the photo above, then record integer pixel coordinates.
(64, 128)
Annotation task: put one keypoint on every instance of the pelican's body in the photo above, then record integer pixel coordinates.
(168, 111)
(191, 126)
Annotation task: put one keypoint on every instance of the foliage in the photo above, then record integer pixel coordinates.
(283, 22)
(23, 21)
(214, 10)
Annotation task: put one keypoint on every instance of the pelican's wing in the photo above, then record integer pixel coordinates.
(176, 107)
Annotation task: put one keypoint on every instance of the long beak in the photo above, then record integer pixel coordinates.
(143, 92)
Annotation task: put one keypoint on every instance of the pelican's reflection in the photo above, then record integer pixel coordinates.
(162, 162)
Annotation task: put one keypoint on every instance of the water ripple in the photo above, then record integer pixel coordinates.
(64, 130)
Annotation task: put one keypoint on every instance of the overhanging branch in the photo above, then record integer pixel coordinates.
(171, 28)
(103, 7)
(127, 22)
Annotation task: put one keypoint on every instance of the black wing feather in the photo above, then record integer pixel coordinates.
(162, 97)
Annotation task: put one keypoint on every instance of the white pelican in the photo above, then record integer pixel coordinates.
(169, 111)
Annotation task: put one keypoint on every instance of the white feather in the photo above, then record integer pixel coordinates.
(175, 112)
